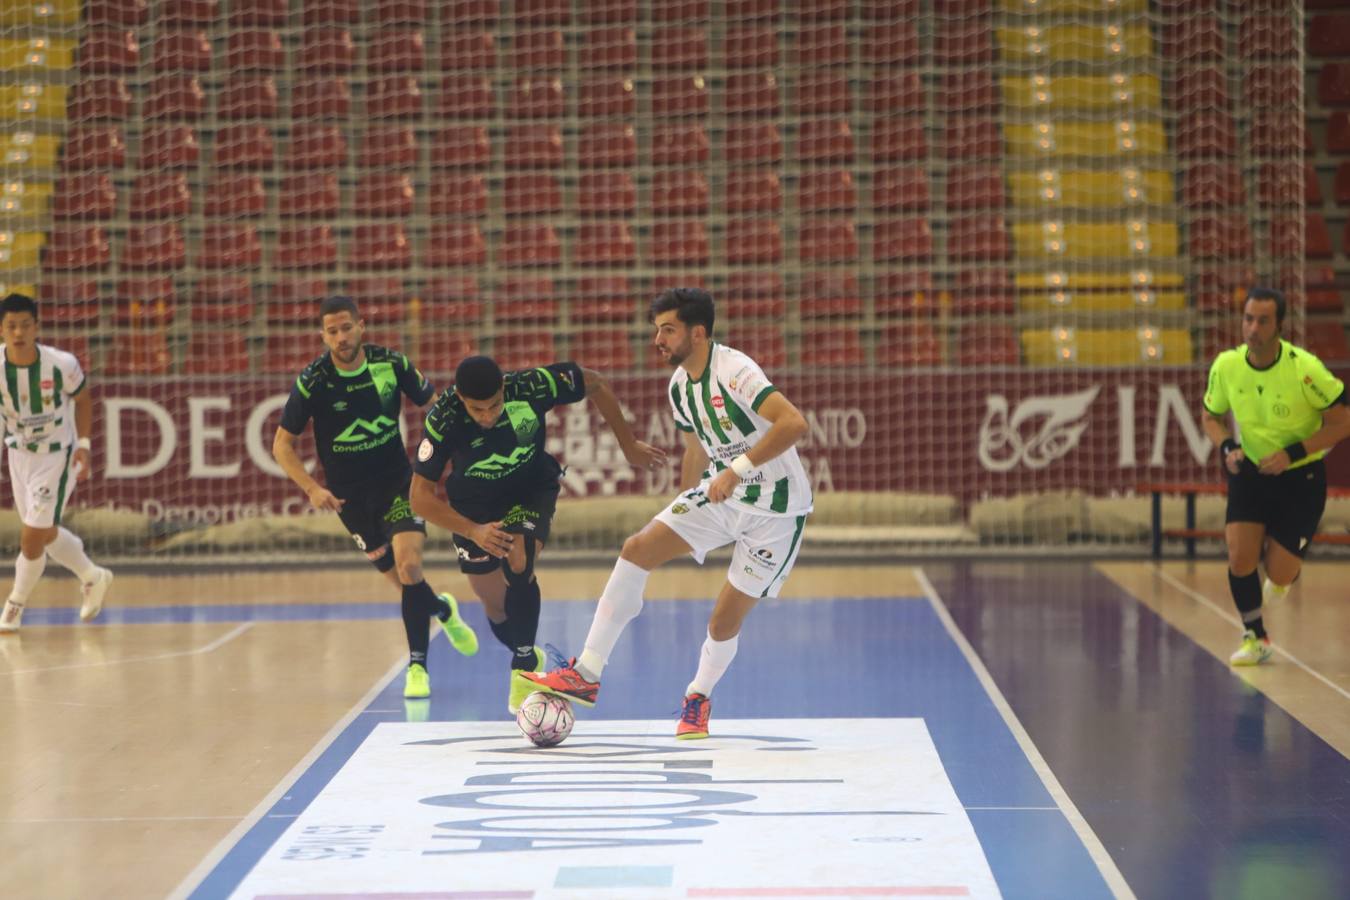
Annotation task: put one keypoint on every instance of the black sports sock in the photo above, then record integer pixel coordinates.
(522, 609)
(424, 596)
(415, 624)
(505, 633)
(1247, 597)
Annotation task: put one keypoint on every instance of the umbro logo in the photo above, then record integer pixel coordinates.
(340, 405)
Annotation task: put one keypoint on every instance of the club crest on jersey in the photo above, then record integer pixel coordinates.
(725, 422)
(425, 450)
(679, 509)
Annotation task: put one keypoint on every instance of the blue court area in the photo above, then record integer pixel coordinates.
(1194, 784)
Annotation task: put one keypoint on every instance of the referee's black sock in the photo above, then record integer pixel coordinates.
(522, 611)
(414, 610)
(1247, 596)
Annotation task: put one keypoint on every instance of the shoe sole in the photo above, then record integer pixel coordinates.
(691, 736)
(543, 688)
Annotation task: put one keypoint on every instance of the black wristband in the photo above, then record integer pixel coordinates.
(1227, 447)
(1296, 451)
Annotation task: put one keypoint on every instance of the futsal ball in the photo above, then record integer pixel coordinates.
(546, 719)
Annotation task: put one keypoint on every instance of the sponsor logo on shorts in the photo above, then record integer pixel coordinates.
(464, 555)
(751, 572)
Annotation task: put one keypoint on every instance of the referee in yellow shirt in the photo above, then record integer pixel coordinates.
(1289, 412)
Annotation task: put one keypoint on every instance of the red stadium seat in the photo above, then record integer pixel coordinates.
(1194, 40)
(387, 147)
(115, 13)
(244, 147)
(751, 94)
(975, 187)
(973, 138)
(160, 195)
(1275, 86)
(984, 292)
(304, 247)
(831, 190)
(835, 346)
(402, 12)
(229, 246)
(900, 188)
(873, 11)
(439, 353)
(287, 353)
(393, 97)
(678, 243)
(968, 91)
(145, 301)
(92, 147)
(395, 50)
(679, 192)
(609, 11)
(295, 301)
(750, 10)
(900, 138)
(452, 299)
(223, 299)
(677, 96)
(473, 50)
(109, 51)
(531, 194)
(463, 146)
(902, 239)
(182, 50)
(605, 298)
(187, 12)
(254, 50)
(1329, 35)
(825, 140)
(390, 194)
(168, 147)
(269, 13)
(758, 143)
(382, 246)
(324, 97)
(829, 295)
(158, 247)
(175, 98)
(454, 194)
(1282, 183)
(909, 345)
(606, 193)
(604, 349)
(310, 195)
(679, 144)
(753, 241)
(533, 13)
(1213, 184)
(216, 353)
(1279, 132)
(752, 190)
(823, 10)
(70, 301)
(526, 300)
(451, 244)
(1220, 237)
(1326, 340)
(100, 98)
(677, 48)
(529, 244)
(247, 97)
(892, 95)
(762, 342)
(466, 97)
(315, 146)
(140, 352)
(904, 293)
(750, 47)
(469, 12)
(327, 50)
(523, 351)
(827, 240)
(89, 196)
(76, 248)
(607, 95)
(1333, 84)
(1205, 135)
(1267, 37)
(604, 243)
(1201, 89)
(824, 45)
(606, 144)
(382, 300)
(534, 50)
(537, 97)
(963, 42)
(891, 44)
(977, 237)
(1284, 237)
(534, 147)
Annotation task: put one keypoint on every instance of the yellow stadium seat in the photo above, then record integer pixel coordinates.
(1083, 92)
(1106, 347)
(1057, 239)
(22, 151)
(1076, 187)
(38, 54)
(26, 200)
(1087, 43)
(33, 101)
(20, 250)
(1122, 138)
(40, 12)
(27, 288)
(1062, 7)
(1098, 280)
(1101, 301)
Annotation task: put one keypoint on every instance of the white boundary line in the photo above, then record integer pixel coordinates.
(228, 843)
(206, 648)
(1232, 619)
(1105, 864)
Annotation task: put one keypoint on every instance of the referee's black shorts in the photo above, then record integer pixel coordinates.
(1290, 504)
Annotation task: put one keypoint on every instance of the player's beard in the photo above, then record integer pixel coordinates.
(677, 355)
(348, 356)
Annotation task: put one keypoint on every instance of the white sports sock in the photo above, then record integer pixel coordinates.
(619, 604)
(27, 573)
(712, 664)
(68, 550)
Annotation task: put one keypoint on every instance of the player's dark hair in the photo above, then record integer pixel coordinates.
(1265, 293)
(478, 377)
(18, 303)
(693, 306)
(338, 305)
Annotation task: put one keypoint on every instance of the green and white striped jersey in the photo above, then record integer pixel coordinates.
(36, 401)
(721, 407)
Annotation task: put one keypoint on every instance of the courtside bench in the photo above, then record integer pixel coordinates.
(1190, 490)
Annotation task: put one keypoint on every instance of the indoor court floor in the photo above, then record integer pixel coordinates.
(1024, 729)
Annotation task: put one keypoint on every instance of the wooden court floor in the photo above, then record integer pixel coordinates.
(135, 745)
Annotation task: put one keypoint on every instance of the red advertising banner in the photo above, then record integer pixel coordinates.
(198, 451)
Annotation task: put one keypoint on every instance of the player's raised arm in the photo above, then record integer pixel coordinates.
(638, 453)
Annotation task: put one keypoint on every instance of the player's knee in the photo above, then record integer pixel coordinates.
(723, 628)
(409, 571)
(382, 559)
(518, 568)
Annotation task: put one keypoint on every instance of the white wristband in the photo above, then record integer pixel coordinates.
(742, 465)
(83, 444)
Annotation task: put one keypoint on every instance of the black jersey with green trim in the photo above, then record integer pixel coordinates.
(508, 458)
(356, 414)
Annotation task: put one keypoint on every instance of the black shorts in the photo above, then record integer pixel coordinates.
(1290, 504)
(374, 513)
(531, 515)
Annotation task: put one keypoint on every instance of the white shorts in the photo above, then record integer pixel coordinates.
(766, 546)
(42, 485)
